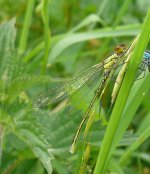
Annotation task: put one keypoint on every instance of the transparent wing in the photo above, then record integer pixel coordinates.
(68, 87)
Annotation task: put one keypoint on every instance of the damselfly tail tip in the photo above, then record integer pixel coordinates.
(72, 149)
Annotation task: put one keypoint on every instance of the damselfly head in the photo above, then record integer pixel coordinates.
(119, 49)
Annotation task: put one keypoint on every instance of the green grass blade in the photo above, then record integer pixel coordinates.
(115, 167)
(26, 26)
(47, 33)
(69, 40)
(122, 12)
(93, 18)
(143, 136)
(134, 101)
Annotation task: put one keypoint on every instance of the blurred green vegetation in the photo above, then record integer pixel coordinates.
(45, 42)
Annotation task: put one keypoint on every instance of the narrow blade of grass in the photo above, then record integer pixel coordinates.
(135, 145)
(26, 26)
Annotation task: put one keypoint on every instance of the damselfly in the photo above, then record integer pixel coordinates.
(69, 87)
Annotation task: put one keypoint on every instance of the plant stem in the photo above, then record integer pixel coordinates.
(26, 26)
(47, 34)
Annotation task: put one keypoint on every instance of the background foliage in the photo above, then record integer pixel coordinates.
(45, 42)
